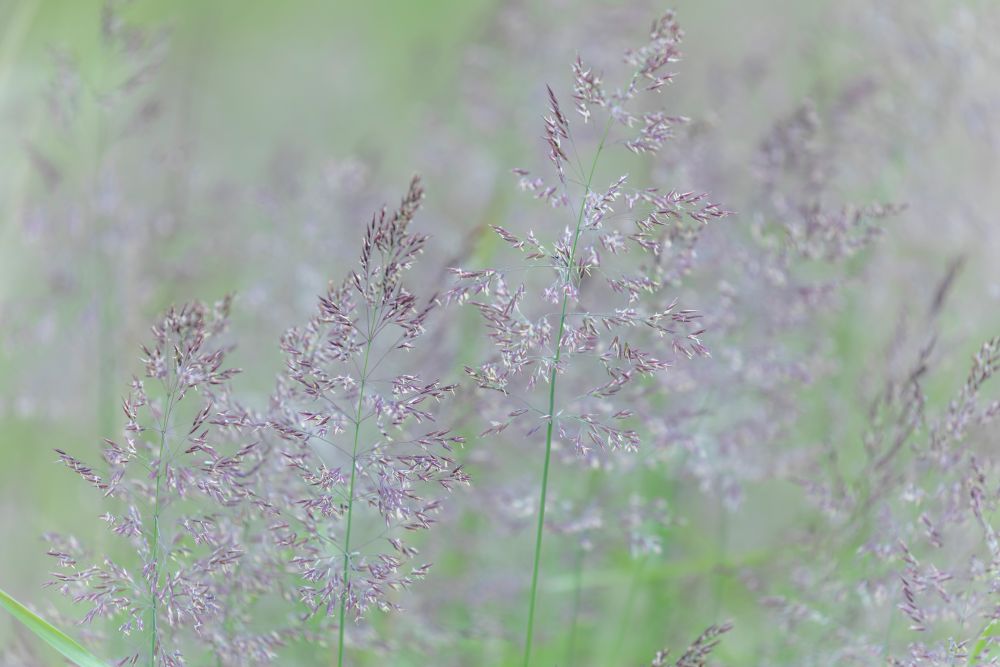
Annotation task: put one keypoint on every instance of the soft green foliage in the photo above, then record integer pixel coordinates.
(50, 634)
(987, 639)
(257, 91)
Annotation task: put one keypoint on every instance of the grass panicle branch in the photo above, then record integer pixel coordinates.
(349, 409)
(606, 257)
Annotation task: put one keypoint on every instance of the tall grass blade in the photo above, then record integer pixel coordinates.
(50, 634)
(981, 648)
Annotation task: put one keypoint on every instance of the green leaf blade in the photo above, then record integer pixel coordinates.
(989, 632)
(51, 635)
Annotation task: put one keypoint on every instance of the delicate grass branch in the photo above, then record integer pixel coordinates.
(540, 528)
(350, 506)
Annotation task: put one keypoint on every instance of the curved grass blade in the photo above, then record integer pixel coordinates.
(991, 631)
(48, 633)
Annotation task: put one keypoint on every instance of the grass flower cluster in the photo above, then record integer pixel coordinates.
(574, 417)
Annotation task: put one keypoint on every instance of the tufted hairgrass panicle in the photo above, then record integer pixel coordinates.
(615, 254)
(355, 419)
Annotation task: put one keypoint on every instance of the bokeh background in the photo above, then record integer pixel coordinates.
(241, 146)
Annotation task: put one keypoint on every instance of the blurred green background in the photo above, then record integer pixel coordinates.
(292, 120)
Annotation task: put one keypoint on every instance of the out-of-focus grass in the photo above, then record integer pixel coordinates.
(331, 77)
(364, 78)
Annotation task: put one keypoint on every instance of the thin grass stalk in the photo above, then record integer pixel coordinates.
(529, 634)
(578, 563)
(718, 593)
(577, 599)
(626, 615)
(106, 353)
(350, 502)
(105, 283)
(155, 542)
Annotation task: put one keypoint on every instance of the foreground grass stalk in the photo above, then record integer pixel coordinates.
(630, 600)
(540, 528)
(154, 589)
(48, 633)
(578, 563)
(350, 503)
(577, 599)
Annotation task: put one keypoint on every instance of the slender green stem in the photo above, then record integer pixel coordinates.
(592, 484)
(633, 589)
(350, 503)
(552, 406)
(577, 598)
(154, 587)
(720, 558)
(106, 334)
(105, 264)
